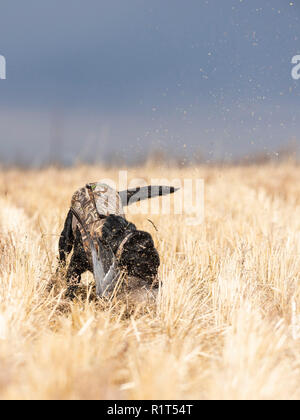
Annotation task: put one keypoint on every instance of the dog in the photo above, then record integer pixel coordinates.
(104, 242)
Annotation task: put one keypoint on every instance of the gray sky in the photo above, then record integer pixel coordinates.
(89, 78)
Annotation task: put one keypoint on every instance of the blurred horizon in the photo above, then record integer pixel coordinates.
(100, 81)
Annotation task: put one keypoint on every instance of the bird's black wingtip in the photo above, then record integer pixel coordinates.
(174, 189)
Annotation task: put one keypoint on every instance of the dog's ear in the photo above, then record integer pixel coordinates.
(66, 240)
(135, 195)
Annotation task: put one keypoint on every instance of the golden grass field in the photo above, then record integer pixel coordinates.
(226, 323)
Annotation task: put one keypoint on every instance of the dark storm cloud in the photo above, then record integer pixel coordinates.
(203, 73)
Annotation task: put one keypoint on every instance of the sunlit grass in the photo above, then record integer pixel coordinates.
(226, 321)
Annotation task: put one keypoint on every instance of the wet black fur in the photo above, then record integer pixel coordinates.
(139, 257)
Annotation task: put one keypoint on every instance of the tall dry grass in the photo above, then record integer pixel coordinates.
(226, 323)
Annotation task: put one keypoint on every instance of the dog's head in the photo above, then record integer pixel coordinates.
(139, 256)
(135, 249)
